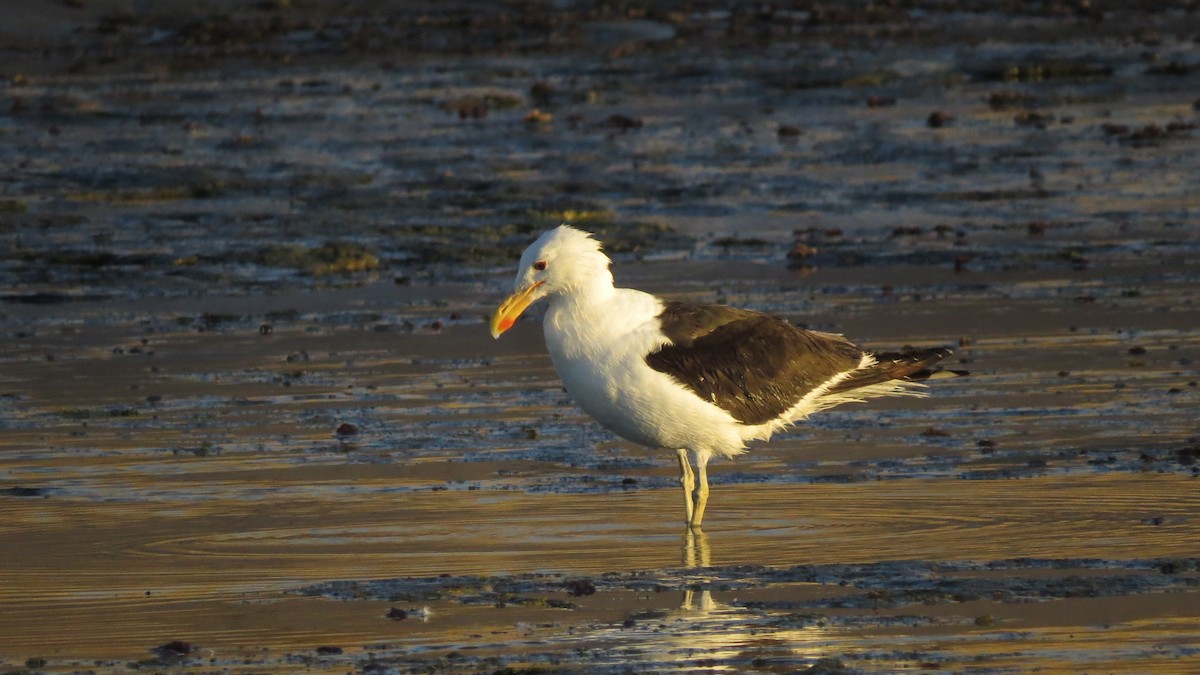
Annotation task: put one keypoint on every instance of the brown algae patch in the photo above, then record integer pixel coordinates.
(330, 258)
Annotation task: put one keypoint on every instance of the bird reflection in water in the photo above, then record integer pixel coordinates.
(697, 555)
(716, 636)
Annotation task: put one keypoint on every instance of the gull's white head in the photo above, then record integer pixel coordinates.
(562, 261)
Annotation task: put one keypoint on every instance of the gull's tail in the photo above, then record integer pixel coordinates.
(907, 366)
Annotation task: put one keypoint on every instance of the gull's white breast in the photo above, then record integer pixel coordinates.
(599, 346)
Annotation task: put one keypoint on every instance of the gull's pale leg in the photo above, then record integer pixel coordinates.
(697, 513)
(687, 479)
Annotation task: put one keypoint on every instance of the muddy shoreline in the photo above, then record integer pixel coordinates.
(251, 419)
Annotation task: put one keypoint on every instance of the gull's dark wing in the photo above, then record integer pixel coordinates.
(754, 366)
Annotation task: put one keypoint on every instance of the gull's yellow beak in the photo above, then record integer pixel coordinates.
(508, 311)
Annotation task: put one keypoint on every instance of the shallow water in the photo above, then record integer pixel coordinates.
(215, 258)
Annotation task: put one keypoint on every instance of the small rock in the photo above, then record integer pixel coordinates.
(174, 649)
(1172, 567)
(622, 122)
(1029, 118)
(1150, 132)
(21, 491)
(326, 650)
(938, 119)
(537, 118)
(347, 429)
(578, 587)
(801, 250)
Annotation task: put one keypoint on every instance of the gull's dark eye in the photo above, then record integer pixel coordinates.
(539, 265)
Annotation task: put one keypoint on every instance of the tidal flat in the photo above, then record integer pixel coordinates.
(251, 419)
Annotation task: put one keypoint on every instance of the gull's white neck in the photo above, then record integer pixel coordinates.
(596, 318)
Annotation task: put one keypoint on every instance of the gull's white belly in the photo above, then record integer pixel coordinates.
(646, 406)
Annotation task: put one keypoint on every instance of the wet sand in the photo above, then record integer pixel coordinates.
(251, 419)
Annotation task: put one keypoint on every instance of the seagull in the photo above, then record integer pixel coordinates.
(700, 379)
